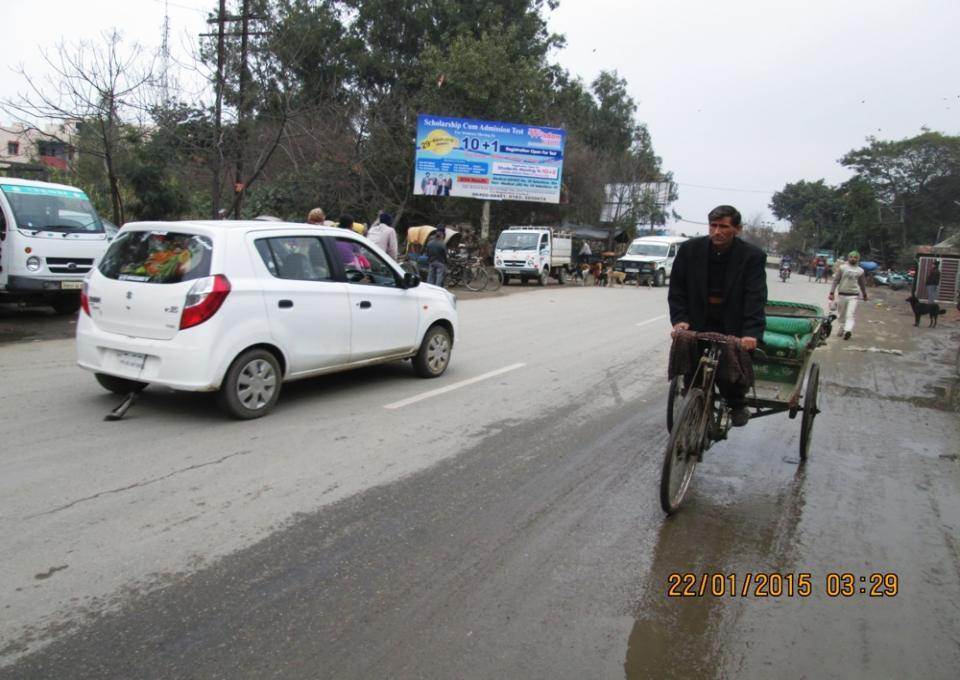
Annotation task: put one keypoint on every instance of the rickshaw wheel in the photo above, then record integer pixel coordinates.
(809, 410)
(683, 450)
(674, 401)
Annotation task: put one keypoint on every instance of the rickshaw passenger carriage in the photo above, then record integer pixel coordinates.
(783, 371)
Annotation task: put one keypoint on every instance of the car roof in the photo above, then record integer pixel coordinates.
(661, 239)
(16, 181)
(231, 226)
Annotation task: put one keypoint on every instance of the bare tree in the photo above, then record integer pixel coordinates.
(96, 84)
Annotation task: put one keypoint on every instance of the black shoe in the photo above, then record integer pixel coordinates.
(846, 335)
(740, 416)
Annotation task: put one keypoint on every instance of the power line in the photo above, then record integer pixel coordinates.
(747, 191)
(177, 4)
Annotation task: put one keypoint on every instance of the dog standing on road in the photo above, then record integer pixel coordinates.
(615, 277)
(921, 309)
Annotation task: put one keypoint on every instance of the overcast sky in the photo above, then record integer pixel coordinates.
(741, 96)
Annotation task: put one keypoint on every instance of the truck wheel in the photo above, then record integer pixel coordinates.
(506, 279)
(658, 278)
(112, 383)
(544, 275)
(561, 276)
(66, 305)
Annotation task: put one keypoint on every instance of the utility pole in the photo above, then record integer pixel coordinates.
(243, 105)
(242, 109)
(217, 193)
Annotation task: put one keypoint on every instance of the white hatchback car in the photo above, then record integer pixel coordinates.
(241, 307)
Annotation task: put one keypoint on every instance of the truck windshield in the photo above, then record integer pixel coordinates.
(648, 249)
(51, 209)
(517, 240)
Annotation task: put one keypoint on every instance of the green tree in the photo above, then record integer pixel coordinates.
(814, 209)
(918, 176)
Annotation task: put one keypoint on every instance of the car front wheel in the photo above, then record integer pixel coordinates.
(252, 385)
(434, 355)
(659, 278)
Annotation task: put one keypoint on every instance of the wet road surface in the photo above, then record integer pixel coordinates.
(539, 549)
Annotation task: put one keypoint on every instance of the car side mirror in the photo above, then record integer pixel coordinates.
(410, 280)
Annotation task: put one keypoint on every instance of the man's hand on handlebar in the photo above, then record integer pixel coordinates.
(746, 342)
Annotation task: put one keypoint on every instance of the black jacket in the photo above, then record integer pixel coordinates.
(745, 292)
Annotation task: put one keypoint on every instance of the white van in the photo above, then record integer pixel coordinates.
(50, 237)
(649, 259)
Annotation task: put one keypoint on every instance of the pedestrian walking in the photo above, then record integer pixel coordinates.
(849, 283)
(821, 268)
(933, 282)
(384, 235)
(437, 257)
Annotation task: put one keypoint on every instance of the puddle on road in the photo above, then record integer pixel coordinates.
(684, 637)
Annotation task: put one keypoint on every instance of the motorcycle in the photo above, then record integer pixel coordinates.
(784, 273)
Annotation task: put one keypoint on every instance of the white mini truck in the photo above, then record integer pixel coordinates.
(241, 307)
(50, 237)
(533, 253)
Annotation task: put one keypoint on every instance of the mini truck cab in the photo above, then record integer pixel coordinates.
(50, 238)
(649, 259)
(533, 253)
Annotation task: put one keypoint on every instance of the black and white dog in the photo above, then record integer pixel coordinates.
(923, 308)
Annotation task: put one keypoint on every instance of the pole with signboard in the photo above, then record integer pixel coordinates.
(489, 161)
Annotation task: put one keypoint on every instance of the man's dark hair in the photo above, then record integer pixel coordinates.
(346, 222)
(386, 218)
(722, 211)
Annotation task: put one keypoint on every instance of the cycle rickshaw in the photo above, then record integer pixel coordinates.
(783, 368)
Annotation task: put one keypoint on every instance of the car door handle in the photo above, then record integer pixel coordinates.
(366, 304)
(285, 304)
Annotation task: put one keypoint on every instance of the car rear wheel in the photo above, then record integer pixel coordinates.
(252, 385)
(434, 355)
(112, 383)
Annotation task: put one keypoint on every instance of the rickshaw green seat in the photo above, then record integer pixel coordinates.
(785, 345)
(789, 335)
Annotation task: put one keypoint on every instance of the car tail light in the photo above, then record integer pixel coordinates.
(203, 300)
(84, 298)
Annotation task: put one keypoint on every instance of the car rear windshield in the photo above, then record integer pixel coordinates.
(157, 257)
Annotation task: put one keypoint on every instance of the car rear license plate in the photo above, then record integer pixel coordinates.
(71, 285)
(133, 360)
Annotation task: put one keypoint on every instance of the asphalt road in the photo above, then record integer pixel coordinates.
(506, 527)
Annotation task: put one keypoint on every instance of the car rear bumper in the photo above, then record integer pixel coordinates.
(182, 363)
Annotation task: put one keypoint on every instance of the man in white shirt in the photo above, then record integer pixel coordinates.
(850, 283)
(384, 235)
(585, 253)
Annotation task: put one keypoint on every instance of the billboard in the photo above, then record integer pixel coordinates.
(488, 160)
